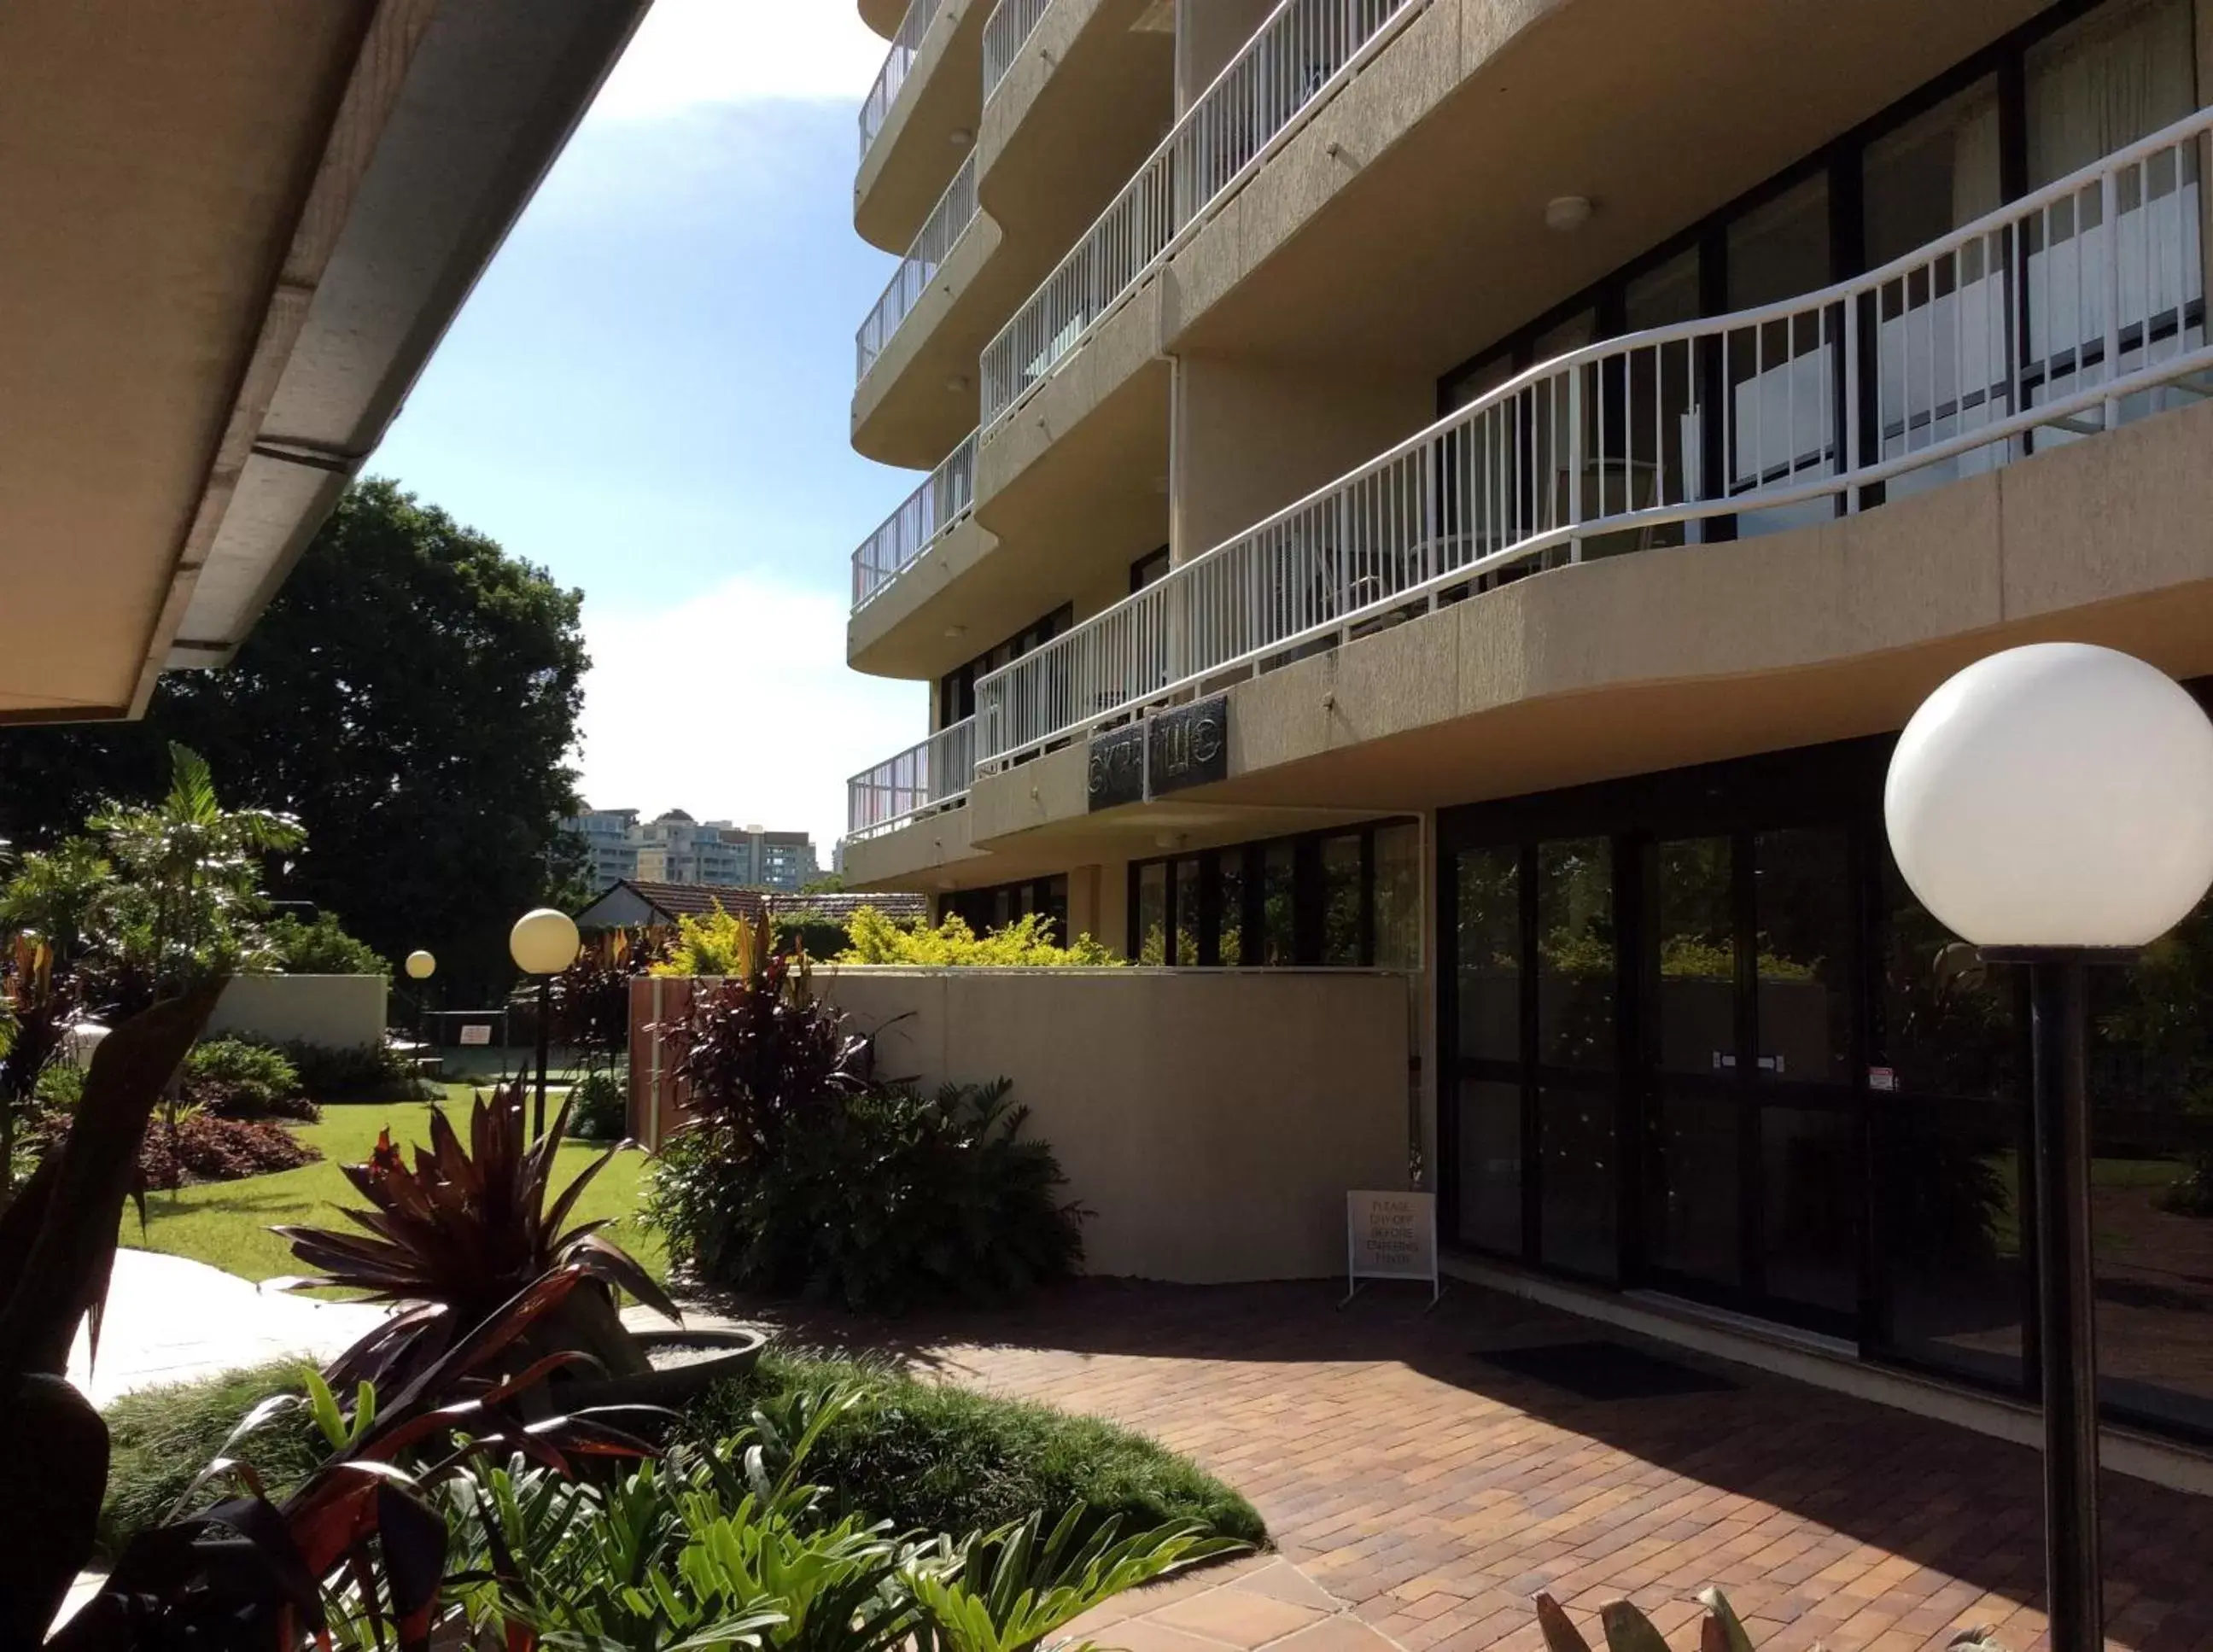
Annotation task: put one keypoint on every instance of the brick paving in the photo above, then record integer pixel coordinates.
(1421, 1494)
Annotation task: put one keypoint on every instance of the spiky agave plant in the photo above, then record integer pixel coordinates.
(458, 1234)
(1720, 1629)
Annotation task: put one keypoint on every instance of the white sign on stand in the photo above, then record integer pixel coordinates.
(473, 1033)
(1391, 1237)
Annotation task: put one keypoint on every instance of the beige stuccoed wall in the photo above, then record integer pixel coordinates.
(341, 1011)
(1250, 437)
(1211, 1120)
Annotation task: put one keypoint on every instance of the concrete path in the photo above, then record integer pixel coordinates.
(173, 1320)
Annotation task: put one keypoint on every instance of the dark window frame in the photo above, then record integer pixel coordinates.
(1309, 896)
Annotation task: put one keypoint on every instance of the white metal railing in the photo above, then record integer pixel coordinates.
(942, 500)
(1304, 49)
(1010, 23)
(2063, 313)
(929, 775)
(876, 108)
(954, 211)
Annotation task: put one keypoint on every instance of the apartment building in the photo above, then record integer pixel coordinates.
(1474, 488)
(674, 848)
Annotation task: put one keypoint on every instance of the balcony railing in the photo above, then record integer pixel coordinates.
(1303, 50)
(876, 108)
(926, 777)
(942, 499)
(1009, 25)
(954, 211)
(2062, 314)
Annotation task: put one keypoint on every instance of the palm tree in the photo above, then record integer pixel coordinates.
(189, 885)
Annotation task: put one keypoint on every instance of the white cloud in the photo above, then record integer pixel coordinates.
(737, 704)
(690, 54)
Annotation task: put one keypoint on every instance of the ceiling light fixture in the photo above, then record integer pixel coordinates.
(1567, 213)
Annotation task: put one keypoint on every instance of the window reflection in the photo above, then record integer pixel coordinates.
(1398, 897)
(1488, 946)
(1340, 887)
(1576, 952)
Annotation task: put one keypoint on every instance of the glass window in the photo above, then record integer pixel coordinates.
(1487, 945)
(1186, 912)
(2115, 76)
(2103, 82)
(1488, 1125)
(1932, 175)
(1781, 409)
(1663, 296)
(2151, 1177)
(1576, 952)
(1229, 940)
(1802, 913)
(1279, 933)
(1943, 1089)
(1691, 885)
(1149, 927)
(1578, 1220)
(1398, 897)
(1340, 896)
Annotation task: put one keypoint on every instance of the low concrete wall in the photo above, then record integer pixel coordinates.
(340, 1011)
(1211, 1120)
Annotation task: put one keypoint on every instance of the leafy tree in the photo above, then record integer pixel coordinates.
(411, 697)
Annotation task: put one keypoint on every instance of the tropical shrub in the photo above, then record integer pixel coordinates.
(463, 1230)
(290, 946)
(884, 1199)
(929, 1456)
(714, 943)
(731, 1545)
(353, 1072)
(1025, 944)
(200, 1147)
(600, 1106)
(236, 1078)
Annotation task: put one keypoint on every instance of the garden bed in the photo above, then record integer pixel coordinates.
(922, 1455)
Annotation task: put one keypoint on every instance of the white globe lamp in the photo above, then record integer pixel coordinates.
(2054, 804)
(421, 965)
(543, 944)
(2059, 794)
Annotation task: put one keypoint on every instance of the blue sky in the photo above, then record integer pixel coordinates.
(648, 393)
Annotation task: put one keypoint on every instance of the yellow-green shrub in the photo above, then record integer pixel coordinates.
(1026, 943)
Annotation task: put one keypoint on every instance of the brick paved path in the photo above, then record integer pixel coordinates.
(1429, 1492)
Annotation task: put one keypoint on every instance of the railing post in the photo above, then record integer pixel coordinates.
(1854, 415)
(1575, 462)
(2109, 194)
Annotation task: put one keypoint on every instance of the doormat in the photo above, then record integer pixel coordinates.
(1607, 1370)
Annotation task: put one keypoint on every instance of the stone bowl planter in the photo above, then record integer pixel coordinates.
(686, 1363)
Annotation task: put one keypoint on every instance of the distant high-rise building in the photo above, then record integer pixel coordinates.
(675, 847)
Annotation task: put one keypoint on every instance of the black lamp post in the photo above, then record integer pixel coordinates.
(2054, 805)
(543, 944)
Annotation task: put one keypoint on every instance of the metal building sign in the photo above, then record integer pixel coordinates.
(1117, 767)
(1188, 746)
(1183, 746)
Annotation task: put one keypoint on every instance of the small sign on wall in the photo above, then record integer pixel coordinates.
(475, 1032)
(1391, 1237)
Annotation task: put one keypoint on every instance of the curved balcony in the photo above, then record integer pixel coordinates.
(1299, 57)
(899, 62)
(2057, 317)
(883, 15)
(954, 211)
(1010, 24)
(918, 122)
(923, 517)
(931, 775)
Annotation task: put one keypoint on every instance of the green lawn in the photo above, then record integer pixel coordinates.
(226, 1223)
